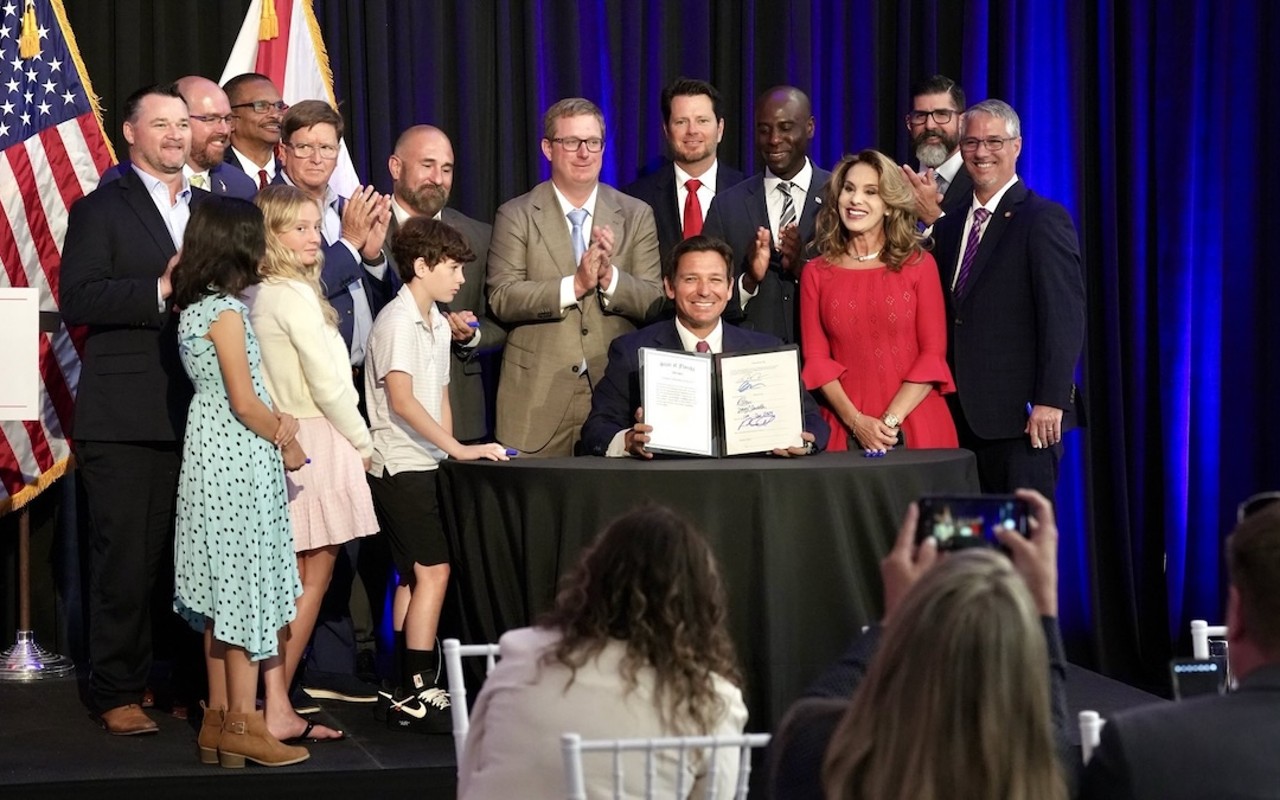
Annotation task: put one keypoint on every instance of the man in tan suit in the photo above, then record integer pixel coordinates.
(572, 264)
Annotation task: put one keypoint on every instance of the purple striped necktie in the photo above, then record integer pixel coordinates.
(970, 249)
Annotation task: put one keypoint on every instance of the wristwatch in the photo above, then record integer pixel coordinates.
(891, 419)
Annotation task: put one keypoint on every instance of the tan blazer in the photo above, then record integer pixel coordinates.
(528, 256)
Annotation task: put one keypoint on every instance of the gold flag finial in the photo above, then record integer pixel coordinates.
(269, 25)
(29, 42)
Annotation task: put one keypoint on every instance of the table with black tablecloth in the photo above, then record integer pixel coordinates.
(799, 541)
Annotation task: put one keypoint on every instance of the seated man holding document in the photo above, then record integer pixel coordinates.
(762, 413)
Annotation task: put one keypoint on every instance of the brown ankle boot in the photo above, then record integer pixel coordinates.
(245, 735)
(210, 733)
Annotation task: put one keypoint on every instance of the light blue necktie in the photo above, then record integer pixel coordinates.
(576, 218)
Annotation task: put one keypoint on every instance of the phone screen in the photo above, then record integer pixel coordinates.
(959, 521)
(1193, 676)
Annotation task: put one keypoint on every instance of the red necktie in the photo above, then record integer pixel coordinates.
(702, 346)
(692, 209)
(262, 179)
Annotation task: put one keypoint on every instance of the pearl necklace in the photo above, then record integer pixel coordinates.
(868, 256)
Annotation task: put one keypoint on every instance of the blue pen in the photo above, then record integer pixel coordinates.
(1028, 409)
(511, 451)
(475, 323)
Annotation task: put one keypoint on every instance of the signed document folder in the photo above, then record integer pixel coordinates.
(723, 405)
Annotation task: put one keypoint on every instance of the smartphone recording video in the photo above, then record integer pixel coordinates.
(960, 521)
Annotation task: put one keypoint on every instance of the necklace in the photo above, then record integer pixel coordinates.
(868, 256)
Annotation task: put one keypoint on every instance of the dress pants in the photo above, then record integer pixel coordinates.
(1008, 464)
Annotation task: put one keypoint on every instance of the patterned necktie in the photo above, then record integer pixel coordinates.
(970, 249)
(942, 183)
(702, 346)
(576, 219)
(262, 179)
(788, 216)
(200, 180)
(692, 209)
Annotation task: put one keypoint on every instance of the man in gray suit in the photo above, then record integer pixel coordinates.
(422, 177)
(1212, 746)
(572, 264)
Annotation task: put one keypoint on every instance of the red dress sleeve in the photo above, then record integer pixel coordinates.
(931, 328)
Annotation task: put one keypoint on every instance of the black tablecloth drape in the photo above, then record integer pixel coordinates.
(799, 542)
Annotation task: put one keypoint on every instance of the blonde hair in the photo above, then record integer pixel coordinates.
(902, 242)
(956, 701)
(281, 206)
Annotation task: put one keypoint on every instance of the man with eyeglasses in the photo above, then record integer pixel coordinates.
(210, 115)
(1015, 311)
(942, 186)
(257, 112)
(572, 264)
(1211, 746)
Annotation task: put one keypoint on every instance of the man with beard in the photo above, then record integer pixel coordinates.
(681, 192)
(942, 186)
(422, 177)
(256, 115)
(775, 208)
(210, 115)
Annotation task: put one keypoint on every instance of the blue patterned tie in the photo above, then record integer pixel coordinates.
(970, 249)
(576, 218)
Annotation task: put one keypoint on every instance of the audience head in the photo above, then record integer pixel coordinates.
(1253, 605)
(698, 277)
(310, 133)
(422, 170)
(158, 130)
(934, 119)
(224, 243)
(431, 252)
(693, 123)
(210, 113)
(256, 111)
(990, 141)
(868, 196)
(573, 141)
(956, 701)
(651, 581)
(784, 128)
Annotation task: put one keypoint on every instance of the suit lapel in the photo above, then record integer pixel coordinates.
(757, 209)
(999, 223)
(140, 202)
(671, 216)
(552, 227)
(609, 213)
(813, 202)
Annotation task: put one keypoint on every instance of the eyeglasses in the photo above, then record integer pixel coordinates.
(328, 152)
(571, 144)
(994, 143)
(1255, 503)
(263, 106)
(213, 119)
(940, 115)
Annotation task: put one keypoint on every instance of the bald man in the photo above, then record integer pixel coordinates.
(210, 113)
(775, 208)
(422, 177)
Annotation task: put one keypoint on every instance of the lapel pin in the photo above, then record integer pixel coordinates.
(1008, 214)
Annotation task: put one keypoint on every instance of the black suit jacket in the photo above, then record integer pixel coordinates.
(617, 395)
(132, 384)
(467, 398)
(224, 181)
(658, 189)
(734, 216)
(1220, 747)
(959, 194)
(1016, 332)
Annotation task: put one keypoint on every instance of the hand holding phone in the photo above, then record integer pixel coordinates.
(959, 521)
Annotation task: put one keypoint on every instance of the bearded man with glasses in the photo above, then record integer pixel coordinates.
(572, 264)
(942, 186)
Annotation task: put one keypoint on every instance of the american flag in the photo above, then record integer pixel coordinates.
(54, 152)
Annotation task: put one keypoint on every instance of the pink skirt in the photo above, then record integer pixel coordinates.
(329, 500)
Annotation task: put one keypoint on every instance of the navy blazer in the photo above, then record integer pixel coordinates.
(132, 384)
(658, 189)
(223, 181)
(734, 216)
(617, 396)
(1016, 332)
(959, 194)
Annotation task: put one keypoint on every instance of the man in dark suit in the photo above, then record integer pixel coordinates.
(572, 264)
(697, 279)
(422, 177)
(1214, 746)
(942, 186)
(210, 114)
(693, 124)
(774, 209)
(257, 113)
(131, 406)
(1016, 312)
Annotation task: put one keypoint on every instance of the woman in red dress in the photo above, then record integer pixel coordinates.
(873, 327)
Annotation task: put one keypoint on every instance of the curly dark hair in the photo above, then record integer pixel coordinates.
(651, 581)
(224, 242)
